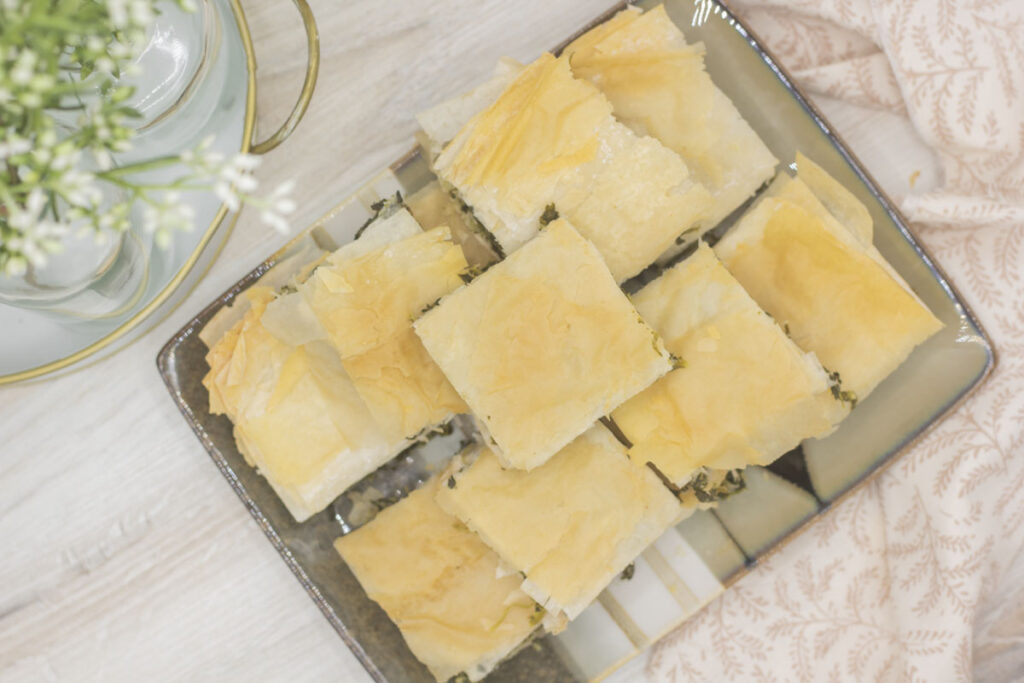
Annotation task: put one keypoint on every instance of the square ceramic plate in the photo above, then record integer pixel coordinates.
(694, 562)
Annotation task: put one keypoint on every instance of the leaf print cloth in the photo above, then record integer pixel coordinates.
(919, 575)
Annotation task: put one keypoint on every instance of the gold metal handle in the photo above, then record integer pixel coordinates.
(312, 69)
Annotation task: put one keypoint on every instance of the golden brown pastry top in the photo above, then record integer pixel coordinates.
(438, 582)
(542, 344)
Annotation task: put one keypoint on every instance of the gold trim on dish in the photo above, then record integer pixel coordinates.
(247, 146)
(306, 94)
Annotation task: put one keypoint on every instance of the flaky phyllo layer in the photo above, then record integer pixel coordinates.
(297, 416)
(569, 526)
(327, 382)
(825, 281)
(366, 305)
(745, 393)
(542, 345)
(658, 86)
(550, 141)
(440, 584)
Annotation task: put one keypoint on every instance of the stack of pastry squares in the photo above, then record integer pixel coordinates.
(328, 382)
(804, 253)
(746, 393)
(542, 345)
(563, 178)
(658, 86)
(297, 416)
(549, 143)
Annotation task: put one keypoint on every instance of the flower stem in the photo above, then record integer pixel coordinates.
(138, 167)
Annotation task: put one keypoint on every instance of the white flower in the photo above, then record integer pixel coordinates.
(14, 146)
(25, 219)
(42, 240)
(246, 162)
(166, 217)
(279, 200)
(226, 194)
(105, 65)
(274, 220)
(24, 68)
(79, 189)
(30, 100)
(119, 50)
(277, 205)
(33, 237)
(15, 264)
(103, 159)
(118, 11)
(141, 12)
(42, 82)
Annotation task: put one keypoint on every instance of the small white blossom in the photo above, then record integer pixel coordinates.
(103, 159)
(274, 220)
(25, 218)
(280, 200)
(164, 218)
(118, 10)
(24, 68)
(141, 12)
(63, 168)
(278, 205)
(14, 146)
(226, 194)
(30, 100)
(105, 65)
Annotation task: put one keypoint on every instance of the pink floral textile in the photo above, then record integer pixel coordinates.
(920, 575)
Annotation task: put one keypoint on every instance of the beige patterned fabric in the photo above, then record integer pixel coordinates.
(919, 576)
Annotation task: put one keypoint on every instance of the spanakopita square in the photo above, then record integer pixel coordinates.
(571, 525)
(439, 583)
(298, 419)
(542, 345)
(366, 303)
(658, 86)
(745, 393)
(826, 282)
(550, 142)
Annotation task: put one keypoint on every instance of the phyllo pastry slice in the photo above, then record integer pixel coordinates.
(366, 305)
(838, 296)
(289, 316)
(442, 122)
(658, 86)
(745, 393)
(541, 345)
(571, 525)
(297, 417)
(549, 144)
(441, 585)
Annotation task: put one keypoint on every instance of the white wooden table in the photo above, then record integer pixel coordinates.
(125, 555)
